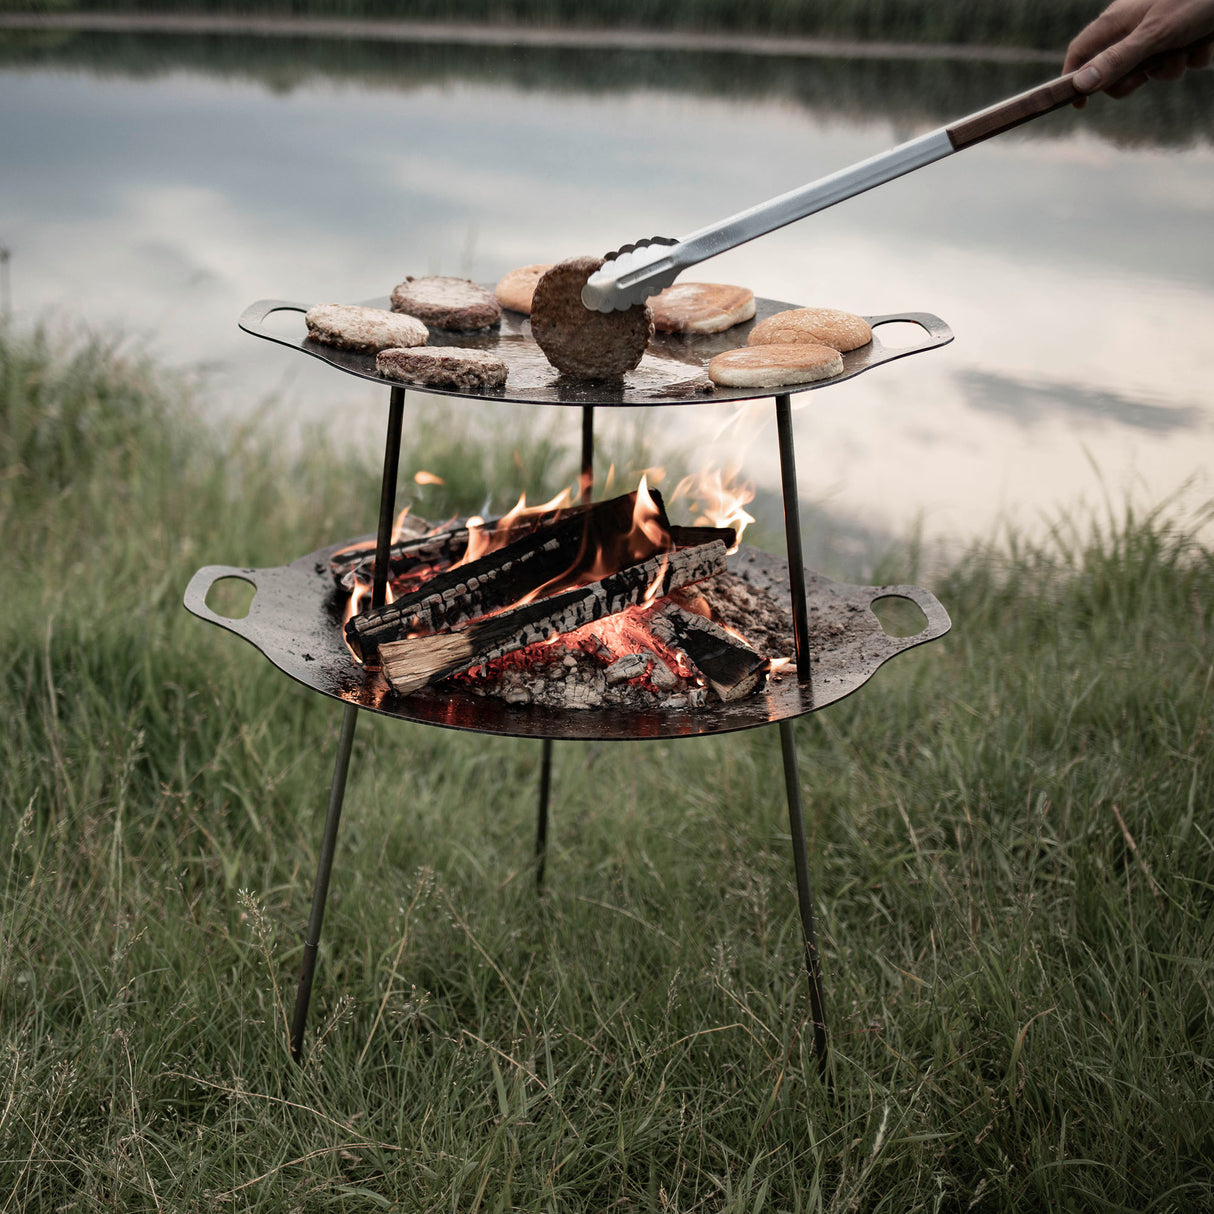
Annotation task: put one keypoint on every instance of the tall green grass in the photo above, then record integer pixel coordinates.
(1010, 836)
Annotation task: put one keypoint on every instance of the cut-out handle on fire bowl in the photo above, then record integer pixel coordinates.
(199, 589)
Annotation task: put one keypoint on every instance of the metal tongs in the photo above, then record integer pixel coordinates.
(636, 271)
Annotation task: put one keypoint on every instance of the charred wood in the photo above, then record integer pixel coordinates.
(417, 662)
(688, 537)
(441, 545)
(731, 667)
(567, 547)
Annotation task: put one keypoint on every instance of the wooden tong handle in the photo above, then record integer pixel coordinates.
(1011, 113)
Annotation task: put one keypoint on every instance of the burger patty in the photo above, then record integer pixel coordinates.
(577, 341)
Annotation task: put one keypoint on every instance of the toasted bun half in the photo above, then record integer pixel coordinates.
(447, 303)
(577, 341)
(701, 307)
(443, 367)
(774, 366)
(822, 326)
(353, 327)
(516, 288)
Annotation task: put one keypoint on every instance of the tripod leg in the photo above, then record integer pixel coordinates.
(320, 891)
(805, 893)
(541, 827)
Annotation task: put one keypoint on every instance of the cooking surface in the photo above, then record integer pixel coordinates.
(294, 620)
(673, 370)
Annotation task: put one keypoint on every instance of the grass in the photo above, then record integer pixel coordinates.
(1010, 840)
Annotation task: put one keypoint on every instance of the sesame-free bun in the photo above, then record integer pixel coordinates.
(821, 326)
(353, 327)
(701, 307)
(516, 288)
(774, 366)
(577, 341)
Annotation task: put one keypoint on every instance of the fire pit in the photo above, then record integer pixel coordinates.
(297, 612)
(295, 621)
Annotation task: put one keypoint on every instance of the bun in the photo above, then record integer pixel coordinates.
(825, 326)
(701, 307)
(774, 366)
(516, 288)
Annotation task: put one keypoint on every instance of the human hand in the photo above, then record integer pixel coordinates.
(1134, 41)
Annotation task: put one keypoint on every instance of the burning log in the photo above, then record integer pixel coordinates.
(419, 661)
(355, 564)
(689, 537)
(508, 574)
(730, 666)
(441, 546)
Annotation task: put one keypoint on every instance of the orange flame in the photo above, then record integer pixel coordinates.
(716, 499)
(483, 540)
(398, 527)
(647, 535)
(360, 598)
(719, 500)
(655, 587)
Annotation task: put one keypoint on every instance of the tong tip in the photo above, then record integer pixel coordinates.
(630, 275)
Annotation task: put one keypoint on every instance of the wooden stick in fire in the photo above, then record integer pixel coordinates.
(503, 576)
(355, 564)
(419, 661)
(731, 667)
(435, 547)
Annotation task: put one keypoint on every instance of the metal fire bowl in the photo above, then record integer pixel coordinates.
(294, 620)
(672, 372)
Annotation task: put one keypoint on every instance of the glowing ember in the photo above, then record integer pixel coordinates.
(602, 663)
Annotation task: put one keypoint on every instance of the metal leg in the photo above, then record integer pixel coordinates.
(541, 828)
(805, 893)
(586, 485)
(792, 535)
(337, 791)
(320, 891)
(387, 496)
(587, 479)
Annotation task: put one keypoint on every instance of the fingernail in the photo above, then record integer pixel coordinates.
(1087, 79)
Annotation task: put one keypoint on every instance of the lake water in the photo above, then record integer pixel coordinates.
(158, 185)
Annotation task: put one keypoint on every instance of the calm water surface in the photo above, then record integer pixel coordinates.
(1074, 263)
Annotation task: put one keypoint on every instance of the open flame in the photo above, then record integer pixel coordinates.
(483, 539)
(717, 500)
(360, 591)
(601, 554)
(609, 541)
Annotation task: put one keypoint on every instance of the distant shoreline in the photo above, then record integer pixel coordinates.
(516, 35)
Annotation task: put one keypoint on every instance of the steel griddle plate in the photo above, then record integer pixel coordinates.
(294, 620)
(672, 372)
